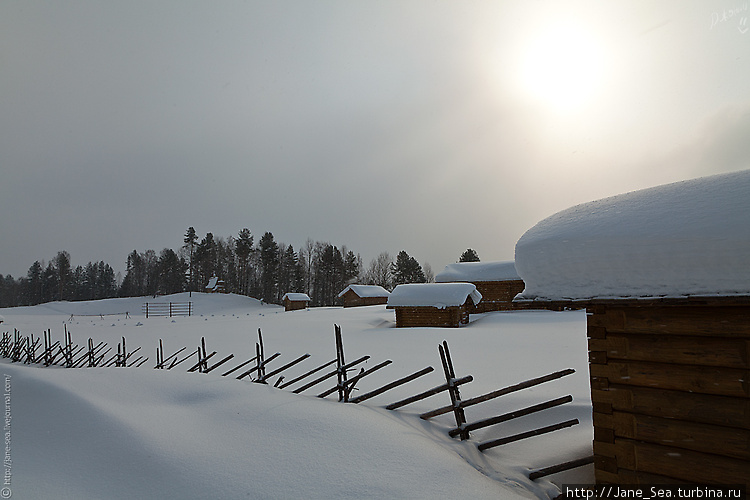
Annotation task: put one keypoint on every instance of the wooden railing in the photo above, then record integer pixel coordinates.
(168, 309)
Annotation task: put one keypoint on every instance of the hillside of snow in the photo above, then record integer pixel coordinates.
(145, 433)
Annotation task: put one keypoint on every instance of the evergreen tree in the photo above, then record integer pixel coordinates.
(205, 260)
(407, 270)
(63, 271)
(243, 248)
(190, 241)
(469, 256)
(269, 268)
(34, 283)
(171, 272)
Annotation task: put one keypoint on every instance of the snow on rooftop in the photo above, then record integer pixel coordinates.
(440, 295)
(296, 297)
(680, 239)
(366, 291)
(478, 271)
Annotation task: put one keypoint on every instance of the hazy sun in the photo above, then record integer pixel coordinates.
(562, 66)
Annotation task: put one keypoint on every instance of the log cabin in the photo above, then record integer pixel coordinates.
(664, 275)
(498, 282)
(433, 304)
(363, 295)
(295, 301)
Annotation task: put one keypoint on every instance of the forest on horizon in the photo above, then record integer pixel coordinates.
(265, 270)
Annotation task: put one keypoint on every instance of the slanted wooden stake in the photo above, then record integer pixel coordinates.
(450, 377)
(512, 415)
(388, 387)
(554, 469)
(501, 392)
(517, 437)
(427, 393)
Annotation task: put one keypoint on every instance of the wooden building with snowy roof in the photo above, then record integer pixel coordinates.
(498, 282)
(664, 275)
(363, 295)
(295, 301)
(215, 285)
(433, 304)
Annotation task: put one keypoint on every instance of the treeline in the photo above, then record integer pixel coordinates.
(265, 269)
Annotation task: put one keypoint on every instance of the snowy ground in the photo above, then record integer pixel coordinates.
(144, 433)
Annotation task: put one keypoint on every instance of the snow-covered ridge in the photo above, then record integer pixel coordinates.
(478, 271)
(680, 239)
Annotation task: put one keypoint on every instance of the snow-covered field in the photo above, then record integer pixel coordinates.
(144, 433)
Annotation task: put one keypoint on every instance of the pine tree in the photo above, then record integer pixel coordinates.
(469, 256)
(243, 248)
(269, 264)
(407, 270)
(190, 241)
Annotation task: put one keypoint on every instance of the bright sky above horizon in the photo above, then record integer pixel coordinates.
(428, 126)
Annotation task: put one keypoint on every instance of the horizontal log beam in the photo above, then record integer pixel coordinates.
(536, 432)
(510, 416)
(499, 392)
(428, 393)
(388, 387)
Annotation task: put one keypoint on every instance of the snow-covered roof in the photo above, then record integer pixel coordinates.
(296, 297)
(681, 239)
(212, 282)
(440, 295)
(478, 271)
(366, 291)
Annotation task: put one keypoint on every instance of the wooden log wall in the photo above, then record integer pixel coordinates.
(497, 295)
(431, 316)
(670, 387)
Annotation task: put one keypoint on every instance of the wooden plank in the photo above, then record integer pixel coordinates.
(725, 441)
(329, 375)
(705, 408)
(307, 374)
(686, 465)
(524, 435)
(388, 387)
(691, 350)
(554, 469)
(721, 321)
(427, 393)
(700, 379)
(500, 392)
(480, 424)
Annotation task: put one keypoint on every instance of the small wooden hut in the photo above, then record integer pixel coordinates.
(363, 295)
(498, 282)
(433, 304)
(663, 274)
(295, 301)
(215, 285)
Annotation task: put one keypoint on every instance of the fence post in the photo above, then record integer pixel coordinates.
(170, 309)
(146, 309)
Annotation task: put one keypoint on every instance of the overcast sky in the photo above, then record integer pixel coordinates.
(429, 126)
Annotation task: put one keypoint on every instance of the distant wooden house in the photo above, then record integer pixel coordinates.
(663, 274)
(295, 301)
(363, 295)
(433, 304)
(498, 282)
(215, 285)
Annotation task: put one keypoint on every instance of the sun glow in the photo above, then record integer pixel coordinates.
(562, 67)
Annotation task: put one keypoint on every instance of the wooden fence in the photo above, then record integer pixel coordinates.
(66, 354)
(168, 309)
